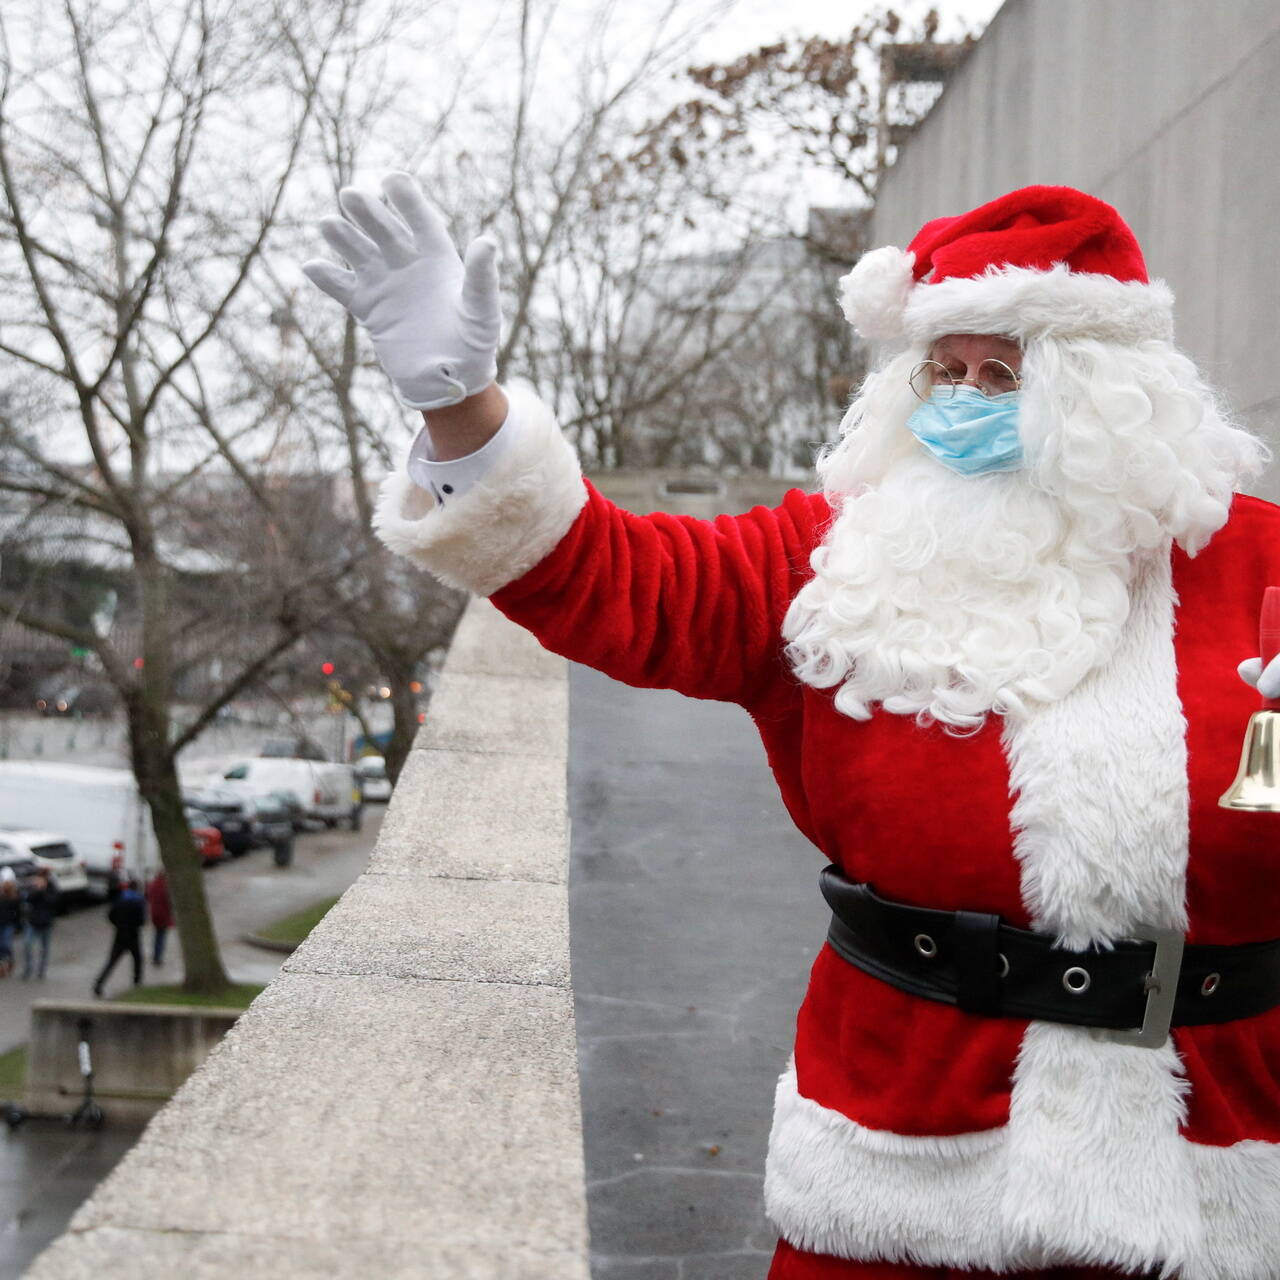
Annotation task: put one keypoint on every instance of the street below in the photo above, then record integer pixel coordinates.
(46, 1170)
(245, 894)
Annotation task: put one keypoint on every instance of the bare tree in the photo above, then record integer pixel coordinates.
(837, 105)
(537, 182)
(337, 400)
(745, 130)
(144, 160)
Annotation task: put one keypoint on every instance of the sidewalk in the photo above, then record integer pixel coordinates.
(695, 915)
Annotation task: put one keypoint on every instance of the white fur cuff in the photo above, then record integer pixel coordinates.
(506, 523)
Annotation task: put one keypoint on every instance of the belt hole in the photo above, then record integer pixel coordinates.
(1076, 980)
(1004, 964)
(926, 946)
(1210, 984)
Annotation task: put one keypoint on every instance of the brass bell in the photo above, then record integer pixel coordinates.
(1257, 784)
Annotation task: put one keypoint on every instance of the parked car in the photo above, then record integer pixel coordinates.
(208, 838)
(52, 852)
(271, 820)
(99, 812)
(328, 791)
(23, 868)
(371, 775)
(297, 810)
(226, 812)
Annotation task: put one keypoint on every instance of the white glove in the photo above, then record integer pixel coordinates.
(1266, 682)
(434, 323)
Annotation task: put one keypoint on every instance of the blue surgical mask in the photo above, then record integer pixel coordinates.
(969, 432)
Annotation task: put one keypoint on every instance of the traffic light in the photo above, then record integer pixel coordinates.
(327, 668)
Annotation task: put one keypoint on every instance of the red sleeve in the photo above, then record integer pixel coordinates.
(672, 602)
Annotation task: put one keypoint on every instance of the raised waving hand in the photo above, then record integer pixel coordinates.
(433, 319)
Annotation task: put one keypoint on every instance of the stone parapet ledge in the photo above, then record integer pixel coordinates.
(403, 1100)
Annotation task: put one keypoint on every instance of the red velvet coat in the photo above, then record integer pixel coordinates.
(909, 1129)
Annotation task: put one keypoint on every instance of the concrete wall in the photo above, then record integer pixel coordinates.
(1167, 109)
(140, 1054)
(403, 1100)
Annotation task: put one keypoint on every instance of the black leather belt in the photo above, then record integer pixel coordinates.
(970, 959)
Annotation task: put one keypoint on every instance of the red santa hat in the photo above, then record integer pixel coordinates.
(1041, 260)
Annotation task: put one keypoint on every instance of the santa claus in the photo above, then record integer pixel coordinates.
(993, 663)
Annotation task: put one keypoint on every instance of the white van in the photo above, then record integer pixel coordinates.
(371, 774)
(328, 792)
(99, 812)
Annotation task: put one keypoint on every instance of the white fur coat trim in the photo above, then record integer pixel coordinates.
(1100, 824)
(512, 517)
(1022, 303)
(1100, 814)
(833, 1186)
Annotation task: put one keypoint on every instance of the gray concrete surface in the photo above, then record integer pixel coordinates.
(695, 916)
(1165, 108)
(403, 1099)
(46, 1172)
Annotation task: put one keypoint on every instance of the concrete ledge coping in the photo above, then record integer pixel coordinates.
(403, 1099)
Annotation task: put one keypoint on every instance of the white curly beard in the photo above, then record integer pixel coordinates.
(951, 597)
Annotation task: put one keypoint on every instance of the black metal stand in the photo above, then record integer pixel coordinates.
(88, 1114)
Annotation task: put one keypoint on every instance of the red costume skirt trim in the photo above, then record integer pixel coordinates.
(791, 1264)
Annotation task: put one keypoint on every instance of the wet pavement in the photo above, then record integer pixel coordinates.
(695, 916)
(46, 1170)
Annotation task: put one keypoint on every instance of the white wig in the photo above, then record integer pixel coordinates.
(948, 596)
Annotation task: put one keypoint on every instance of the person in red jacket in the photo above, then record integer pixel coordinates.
(994, 665)
(161, 913)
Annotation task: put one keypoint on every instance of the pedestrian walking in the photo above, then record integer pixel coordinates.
(127, 916)
(995, 658)
(161, 913)
(40, 905)
(10, 918)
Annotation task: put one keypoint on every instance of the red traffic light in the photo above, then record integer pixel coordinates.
(327, 668)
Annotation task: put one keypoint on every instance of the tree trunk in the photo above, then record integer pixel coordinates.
(157, 778)
(404, 711)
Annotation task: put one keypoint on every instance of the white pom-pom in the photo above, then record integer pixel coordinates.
(873, 296)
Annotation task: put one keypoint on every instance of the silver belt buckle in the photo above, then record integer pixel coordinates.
(1161, 985)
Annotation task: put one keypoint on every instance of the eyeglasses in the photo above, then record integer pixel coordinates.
(929, 378)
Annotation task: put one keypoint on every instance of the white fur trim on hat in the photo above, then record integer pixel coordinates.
(1023, 303)
(508, 521)
(874, 294)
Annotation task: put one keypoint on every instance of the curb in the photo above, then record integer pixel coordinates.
(270, 944)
